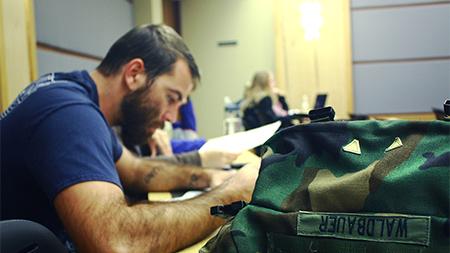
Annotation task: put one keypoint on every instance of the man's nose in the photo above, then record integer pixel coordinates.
(171, 115)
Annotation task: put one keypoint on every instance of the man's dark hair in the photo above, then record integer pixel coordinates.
(159, 46)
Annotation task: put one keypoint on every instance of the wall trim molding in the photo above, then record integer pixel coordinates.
(71, 52)
(400, 60)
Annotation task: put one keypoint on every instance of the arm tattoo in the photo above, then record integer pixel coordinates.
(194, 179)
(151, 174)
(199, 181)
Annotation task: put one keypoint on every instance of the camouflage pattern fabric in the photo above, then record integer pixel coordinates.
(360, 186)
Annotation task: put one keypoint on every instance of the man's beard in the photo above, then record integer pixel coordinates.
(139, 115)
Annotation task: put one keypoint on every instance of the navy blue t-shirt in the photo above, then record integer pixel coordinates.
(53, 136)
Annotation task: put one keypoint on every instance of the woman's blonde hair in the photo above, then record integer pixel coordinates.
(259, 89)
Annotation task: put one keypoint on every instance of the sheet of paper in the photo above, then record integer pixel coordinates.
(167, 196)
(242, 141)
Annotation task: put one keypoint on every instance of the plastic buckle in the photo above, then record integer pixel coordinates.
(447, 107)
(226, 211)
(322, 114)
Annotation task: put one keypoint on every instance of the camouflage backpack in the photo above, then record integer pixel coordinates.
(350, 187)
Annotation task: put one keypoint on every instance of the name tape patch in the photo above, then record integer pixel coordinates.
(379, 227)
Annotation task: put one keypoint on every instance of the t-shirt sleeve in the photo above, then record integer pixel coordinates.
(72, 145)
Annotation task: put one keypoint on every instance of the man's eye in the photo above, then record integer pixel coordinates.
(171, 99)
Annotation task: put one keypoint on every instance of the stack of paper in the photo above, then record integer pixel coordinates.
(242, 141)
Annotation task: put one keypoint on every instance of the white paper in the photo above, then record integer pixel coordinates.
(167, 196)
(242, 141)
(188, 195)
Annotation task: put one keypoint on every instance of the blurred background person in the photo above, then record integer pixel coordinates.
(263, 102)
(183, 133)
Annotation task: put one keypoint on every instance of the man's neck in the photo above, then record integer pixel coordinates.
(110, 95)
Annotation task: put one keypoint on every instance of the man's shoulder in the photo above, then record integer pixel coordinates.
(60, 90)
(69, 86)
(64, 99)
(53, 102)
(51, 91)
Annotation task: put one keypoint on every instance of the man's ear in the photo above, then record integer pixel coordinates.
(134, 74)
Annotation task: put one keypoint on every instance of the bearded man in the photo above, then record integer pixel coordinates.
(63, 167)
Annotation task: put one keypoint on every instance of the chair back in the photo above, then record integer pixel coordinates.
(24, 236)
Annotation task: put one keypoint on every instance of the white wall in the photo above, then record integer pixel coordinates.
(226, 69)
(401, 55)
(84, 26)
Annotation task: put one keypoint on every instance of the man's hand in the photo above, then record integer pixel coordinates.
(216, 159)
(160, 141)
(219, 176)
(243, 182)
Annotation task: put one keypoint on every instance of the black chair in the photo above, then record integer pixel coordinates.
(24, 236)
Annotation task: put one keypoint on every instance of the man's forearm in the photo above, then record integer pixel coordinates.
(176, 225)
(188, 158)
(167, 227)
(151, 175)
(99, 219)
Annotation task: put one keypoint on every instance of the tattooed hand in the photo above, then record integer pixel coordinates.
(219, 176)
(244, 180)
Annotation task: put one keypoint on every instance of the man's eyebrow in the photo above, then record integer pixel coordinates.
(178, 93)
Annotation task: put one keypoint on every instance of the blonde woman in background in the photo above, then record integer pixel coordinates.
(263, 103)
